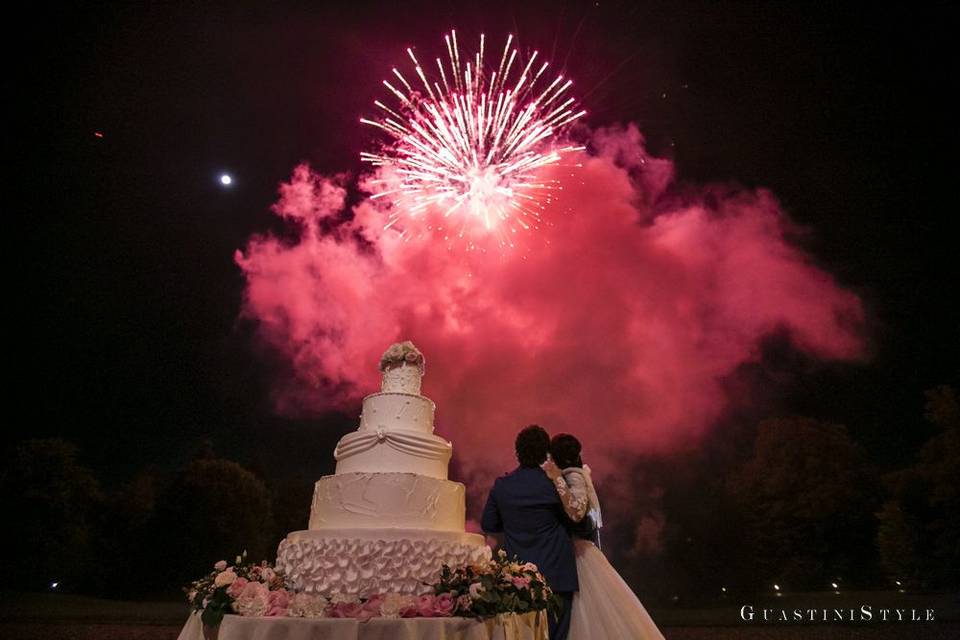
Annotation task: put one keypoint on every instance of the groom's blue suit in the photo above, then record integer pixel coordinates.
(524, 505)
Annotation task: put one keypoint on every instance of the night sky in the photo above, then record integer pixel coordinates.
(126, 335)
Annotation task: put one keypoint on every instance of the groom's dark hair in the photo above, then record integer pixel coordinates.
(532, 445)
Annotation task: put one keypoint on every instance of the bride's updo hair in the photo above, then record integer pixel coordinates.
(565, 451)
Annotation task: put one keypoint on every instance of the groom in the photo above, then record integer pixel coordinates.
(524, 505)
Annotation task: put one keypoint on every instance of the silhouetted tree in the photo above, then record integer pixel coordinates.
(213, 510)
(50, 501)
(809, 495)
(291, 506)
(126, 533)
(919, 533)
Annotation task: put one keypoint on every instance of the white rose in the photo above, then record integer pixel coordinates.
(224, 578)
(393, 604)
(220, 566)
(395, 352)
(305, 605)
(344, 598)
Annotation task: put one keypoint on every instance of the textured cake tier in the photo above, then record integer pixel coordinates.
(390, 411)
(405, 378)
(394, 451)
(380, 500)
(364, 561)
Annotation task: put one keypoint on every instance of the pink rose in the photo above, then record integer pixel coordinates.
(443, 605)
(521, 582)
(220, 566)
(409, 611)
(346, 610)
(277, 603)
(424, 605)
(373, 602)
(254, 589)
(371, 608)
(236, 588)
(267, 575)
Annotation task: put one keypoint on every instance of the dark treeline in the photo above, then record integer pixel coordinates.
(804, 507)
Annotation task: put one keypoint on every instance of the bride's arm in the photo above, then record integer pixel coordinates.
(573, 496)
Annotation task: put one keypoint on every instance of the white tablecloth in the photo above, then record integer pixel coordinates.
(528, 626)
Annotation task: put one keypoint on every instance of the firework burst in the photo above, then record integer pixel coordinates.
(467, 149)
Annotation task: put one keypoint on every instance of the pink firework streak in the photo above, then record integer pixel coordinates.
(467, 148)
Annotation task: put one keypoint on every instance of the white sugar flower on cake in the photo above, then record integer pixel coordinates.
(401, 353)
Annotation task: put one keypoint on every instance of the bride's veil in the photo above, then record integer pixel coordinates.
(594, 511)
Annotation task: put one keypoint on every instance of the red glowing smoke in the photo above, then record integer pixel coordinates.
(619, 330)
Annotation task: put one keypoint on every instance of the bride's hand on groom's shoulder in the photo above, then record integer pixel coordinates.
(551, 469)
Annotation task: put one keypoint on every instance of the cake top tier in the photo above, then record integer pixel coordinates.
(402, 366)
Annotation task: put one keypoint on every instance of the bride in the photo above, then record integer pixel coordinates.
(605, 607)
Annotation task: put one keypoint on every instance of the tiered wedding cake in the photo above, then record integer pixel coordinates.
(388, 519)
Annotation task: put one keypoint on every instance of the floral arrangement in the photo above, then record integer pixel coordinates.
(399, 353)
(476, 591)
(243, 587)
(498, 586)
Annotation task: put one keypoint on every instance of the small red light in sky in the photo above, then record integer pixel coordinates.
(98, 134)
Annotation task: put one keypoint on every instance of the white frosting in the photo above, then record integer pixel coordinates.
(365, 561)
(405, 378)
(387, 500)
(396, 451)
(388, 411)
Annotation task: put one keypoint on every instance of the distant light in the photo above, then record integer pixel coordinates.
(776, 587)
(898, 582)
(724, 589)
(54, 585)
(834, 585)
(226, 179)
(98, 134)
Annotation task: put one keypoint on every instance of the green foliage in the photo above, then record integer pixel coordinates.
(919, 525)
(217, 606)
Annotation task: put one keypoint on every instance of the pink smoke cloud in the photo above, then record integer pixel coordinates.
(618, 327)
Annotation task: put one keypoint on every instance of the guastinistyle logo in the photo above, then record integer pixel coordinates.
(865, 613)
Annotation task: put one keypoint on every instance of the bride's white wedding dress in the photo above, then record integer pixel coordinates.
(605, 607)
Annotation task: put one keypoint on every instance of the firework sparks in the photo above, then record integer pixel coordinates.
(467, 148)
